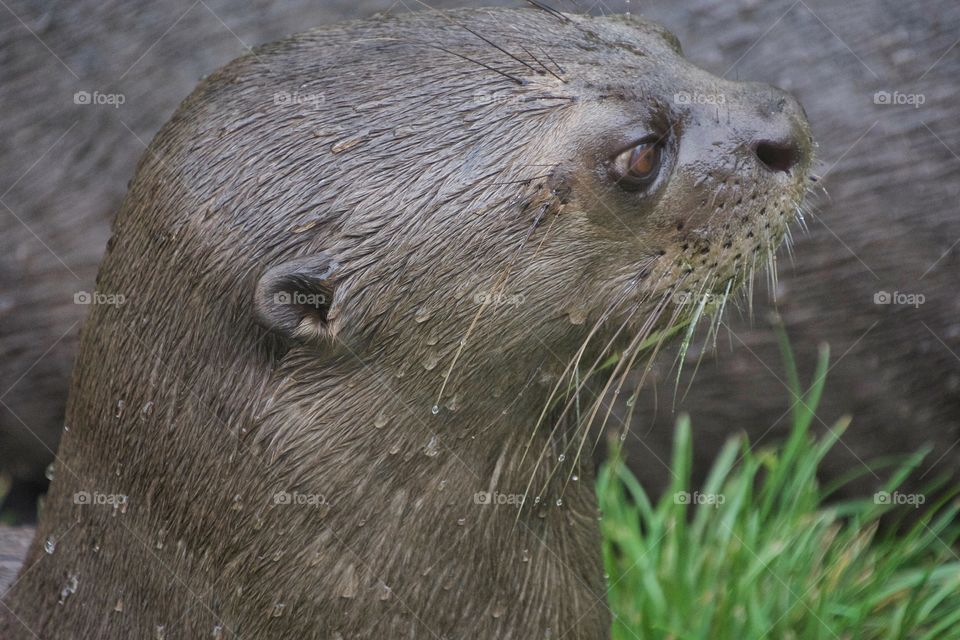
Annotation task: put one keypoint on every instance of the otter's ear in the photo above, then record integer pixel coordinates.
(293, 298)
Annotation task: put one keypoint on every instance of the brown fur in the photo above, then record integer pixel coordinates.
(401, 197)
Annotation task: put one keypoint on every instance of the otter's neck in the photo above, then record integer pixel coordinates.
(338, 504)
(466, 516)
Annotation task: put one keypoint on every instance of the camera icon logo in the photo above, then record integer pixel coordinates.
(82, 297)
(882, 297)
(82, 97)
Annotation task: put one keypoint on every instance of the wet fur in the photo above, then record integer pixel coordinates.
(411, 397)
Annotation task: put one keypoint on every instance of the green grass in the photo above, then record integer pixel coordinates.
(774, 560)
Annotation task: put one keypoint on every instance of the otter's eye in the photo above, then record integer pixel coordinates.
(638, 166)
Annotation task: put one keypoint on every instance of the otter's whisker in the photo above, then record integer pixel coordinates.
(579, 384)
(550, 58)
(509, 76)
(573, 365)
(545, 67)
(632, 348)
(471, 31)
(712, 331)
(661, 340)
(549, 10)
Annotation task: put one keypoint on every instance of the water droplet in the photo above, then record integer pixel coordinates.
(159, 632)
(121, 405)
(432, 448)
(385, 592)
(559, 502)
(422, 315)
(119, 606)
(50, 545)
(430, 362)
(147, 409)
(50, 471)
(69, 588)
(461, 521)
(395, 449)
(161, 534)
(525, 555)
(498, 610)
(217, 633)
(623, 437)
(561, 458)
(577, 316)
(349, 583)
(632, 400)
(237, 503)
(380, 421)
(435, 409)
(574, 477)
(443, 485)
(348, 143)
(277, 610)
(66, 428)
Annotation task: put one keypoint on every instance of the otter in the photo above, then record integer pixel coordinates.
(363, 270)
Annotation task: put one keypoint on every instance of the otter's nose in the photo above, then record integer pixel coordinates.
(777, 155)
(777, 141)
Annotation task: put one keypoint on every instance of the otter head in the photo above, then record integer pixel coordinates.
(346, 231)
(507, 197)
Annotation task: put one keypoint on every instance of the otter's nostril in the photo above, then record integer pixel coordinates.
(777, 156)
